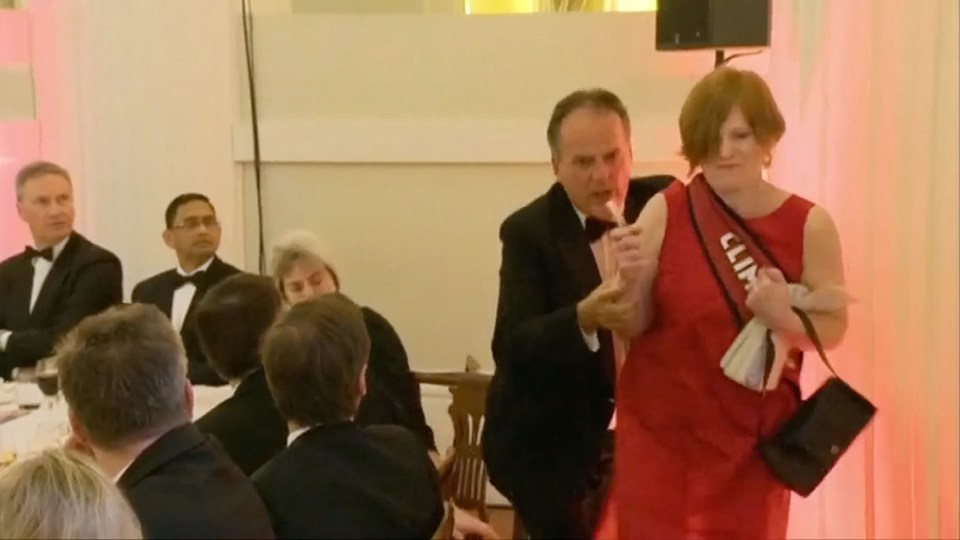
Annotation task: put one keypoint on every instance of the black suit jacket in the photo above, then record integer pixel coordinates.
(184, 486)
(345, 481)
(84, 279)
(551, 398)
(158, 290)
(393, 395)
(247, 424)
(252, 431)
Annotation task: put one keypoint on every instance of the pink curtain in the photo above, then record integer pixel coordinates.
(19, 141)
(869, 90)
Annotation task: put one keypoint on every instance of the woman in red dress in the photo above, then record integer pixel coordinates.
(686, 464)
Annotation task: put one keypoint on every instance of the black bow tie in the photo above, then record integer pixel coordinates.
(595, 228)
(181, 280)
(46, 253)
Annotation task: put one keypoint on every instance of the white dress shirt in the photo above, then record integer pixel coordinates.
(603, 256)
(295, 434)
(184, 295)
(591, 340)
(120, 474)
(41, 269)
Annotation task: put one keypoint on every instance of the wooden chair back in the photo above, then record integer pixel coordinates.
(466, 484)
(470, 472)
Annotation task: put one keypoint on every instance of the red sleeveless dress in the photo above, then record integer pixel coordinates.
(686, 465)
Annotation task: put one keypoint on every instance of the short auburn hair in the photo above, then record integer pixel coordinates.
(709, 104)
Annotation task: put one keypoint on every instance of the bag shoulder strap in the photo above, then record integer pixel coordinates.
(728, 298)
(814, 338)
(808, 326)
(751, 235)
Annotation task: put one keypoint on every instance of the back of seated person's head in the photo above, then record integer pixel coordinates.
(315, 359)
(123, 376)
(59, 494)
(231, 320)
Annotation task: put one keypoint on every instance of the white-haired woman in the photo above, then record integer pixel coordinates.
(60, 494)
(303, 272)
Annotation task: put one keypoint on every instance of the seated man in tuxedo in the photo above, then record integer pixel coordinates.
(63, 277)
(123, 376)
(337, 479)
(193, 233)
(547, 440)
(231, 321)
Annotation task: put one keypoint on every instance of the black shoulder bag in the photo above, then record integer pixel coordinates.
(807, 446)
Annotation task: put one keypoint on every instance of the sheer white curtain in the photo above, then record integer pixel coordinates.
(137, 100)
(869, 90)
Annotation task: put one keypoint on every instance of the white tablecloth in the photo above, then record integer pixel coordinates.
(20, 435)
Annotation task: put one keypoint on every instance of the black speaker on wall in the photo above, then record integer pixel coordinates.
(712, 24)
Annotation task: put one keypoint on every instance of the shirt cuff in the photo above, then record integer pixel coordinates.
(4, 336)
(591, 340)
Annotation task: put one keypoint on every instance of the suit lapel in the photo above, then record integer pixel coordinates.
(210, 278)
(161, 293)
(55, 278)
(578, 258)
(19, 309)
(572, 243)
(164, 300)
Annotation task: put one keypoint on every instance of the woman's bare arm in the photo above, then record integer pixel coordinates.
(822, 268)
(652, 223)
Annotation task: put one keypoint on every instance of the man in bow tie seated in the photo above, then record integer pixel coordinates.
(193, 233)
(53, 284)
(547, 440)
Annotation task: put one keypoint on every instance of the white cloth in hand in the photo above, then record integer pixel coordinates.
(745, 360)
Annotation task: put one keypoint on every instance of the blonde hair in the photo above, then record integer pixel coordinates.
(59, 494)
(294, 247)
(35, 169)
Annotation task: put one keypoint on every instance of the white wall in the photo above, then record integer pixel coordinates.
(137, 98)
(404, 140)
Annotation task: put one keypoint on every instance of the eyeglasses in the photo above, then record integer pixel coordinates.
(192, 224)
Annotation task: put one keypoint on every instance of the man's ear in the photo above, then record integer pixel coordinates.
(362, 382)
(168, 238)
(77, 430)
(188, 398)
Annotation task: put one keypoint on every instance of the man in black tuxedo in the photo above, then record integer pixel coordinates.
(231, 321)
(62, 278)
(546, 439)
(123, 376)
(193, 233)
(337, 479)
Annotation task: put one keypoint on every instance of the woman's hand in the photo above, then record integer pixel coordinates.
(465, 524)
(769, 300)
(628, 250)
